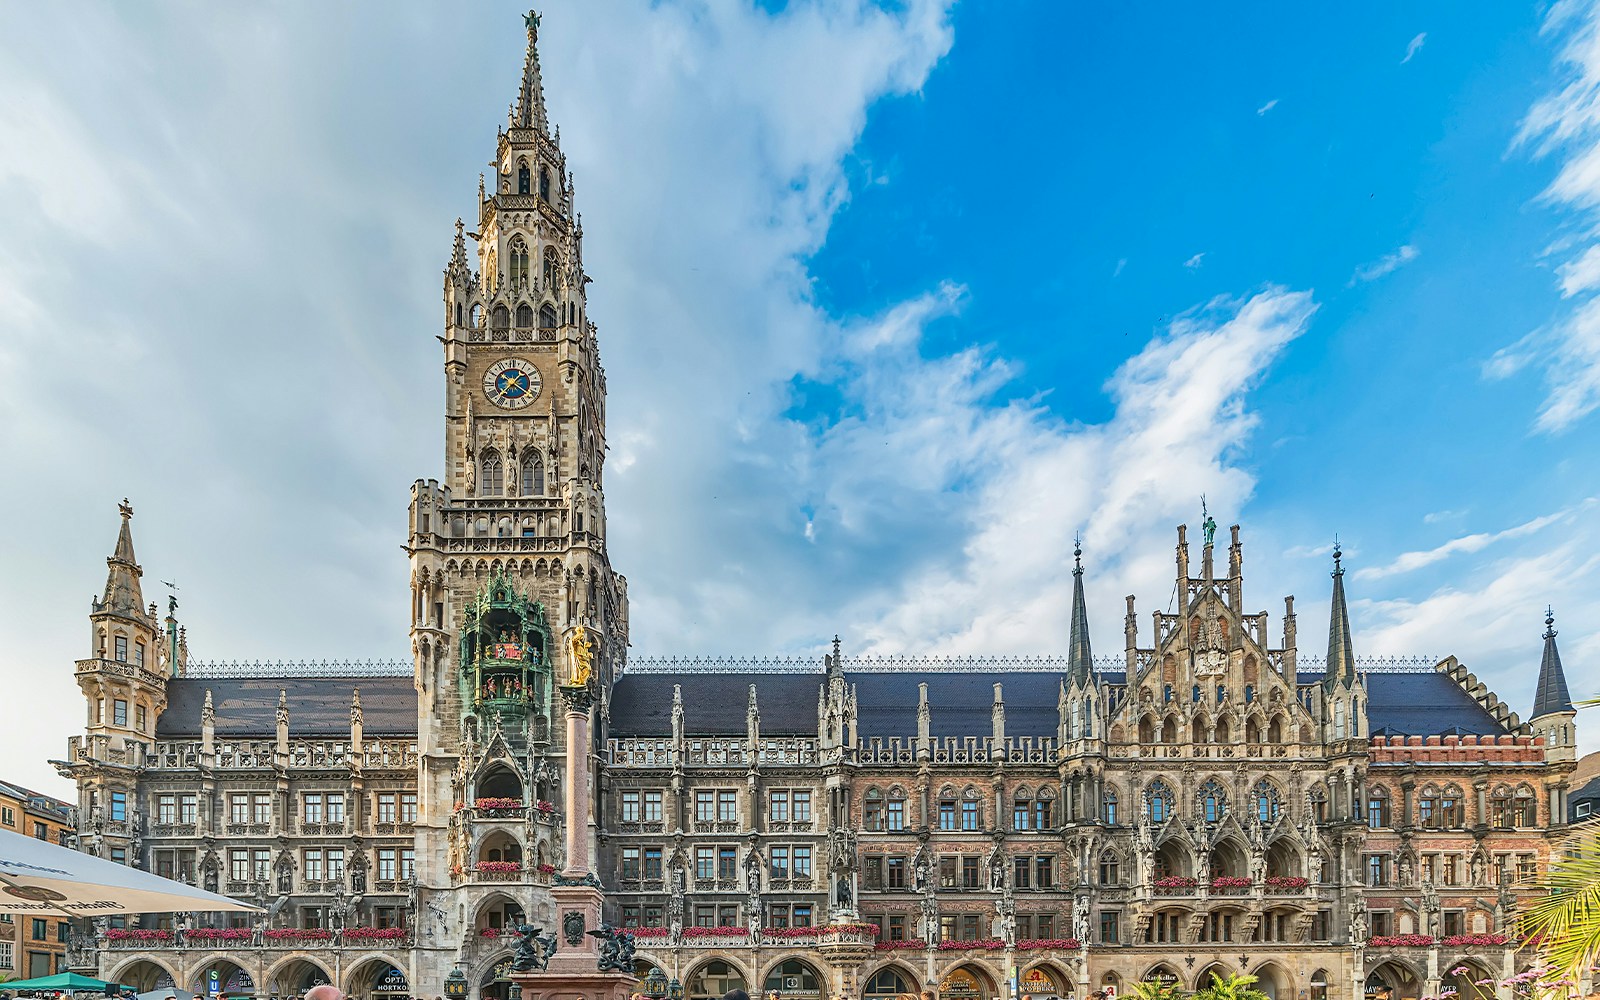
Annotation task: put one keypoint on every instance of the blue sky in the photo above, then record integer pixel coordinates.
(892, 302)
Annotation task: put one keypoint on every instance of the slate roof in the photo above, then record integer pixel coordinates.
(318, 706)
(960, 703)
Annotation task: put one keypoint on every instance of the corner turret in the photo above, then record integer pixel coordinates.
(1554, 717)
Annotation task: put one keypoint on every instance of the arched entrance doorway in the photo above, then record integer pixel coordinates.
(144, 975)
(793, 979)
(294, 977)
(1164, 974)
(1464, 977)
(223, 978)
(711, 980)
(1393, 981)
(886, 983)
(1217, 969)
(1043, 983)
(965, 983)
(1274, 982)
(495, 984)
(377, 979)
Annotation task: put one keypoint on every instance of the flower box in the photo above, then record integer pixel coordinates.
(298, 934)
(715, 932)
(904, 944)
(1040, 944)
(1402, 941)
(217, 934)
(499, 867)
(546, 869)
(647, 932)
(1287, 883)
(1231, 882)
(986, 944)
(498, 804)
(137, 934)
(373, 934)
(1175, 882)
(545, 807)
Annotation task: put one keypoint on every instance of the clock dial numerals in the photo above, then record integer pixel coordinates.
(512, 383)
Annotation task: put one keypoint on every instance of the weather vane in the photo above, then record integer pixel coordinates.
(1209, 525)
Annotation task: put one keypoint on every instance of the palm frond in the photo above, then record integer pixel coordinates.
(1566, 923)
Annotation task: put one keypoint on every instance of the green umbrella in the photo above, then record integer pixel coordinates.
(59, 981)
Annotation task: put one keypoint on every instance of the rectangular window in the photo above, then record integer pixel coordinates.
(386, 864)
(630, 807)
(947, 814)
(335, 807)
(138, 654)
(1021, 869)
(119, 806)
(705, 916)
(8, 816)
(1044, 872)
(1041, 814)
(705, 862)
(311, 864)
(780, 862)
(119, 712)
(705, 806)
(139, 715)
(1451, 869)
(7, 958)
(166, 808)
(969, 873)
(1527, 867)
(802, 861)
(239, 809)
(261, 864)
(1381, 922)
(947, 927)
(1046, 925)
(121, 645)
(262, 811)
(652, 806)
(336, 864)
(1020, 814)
(897, 815)
(801, 915)
(119, 855)
(630, 862)
(872, 814)
(779, 807)
(801, 801)
(727, 807)
(41, 929)
(1377, 869)
(727, 863)
(408, 807)
(1454, 922)
(633, 916)
(386, 807)
(1320, 925)
(311, 807)
(652, 862)
(948, 877)
(897, 927)
(895, 873)
(728, 915)
(969, 815)
(239, 866)
(969, 927)
(188, 808)
(408, 862)
(1110, 869)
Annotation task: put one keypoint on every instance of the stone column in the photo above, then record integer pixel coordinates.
(578, 703)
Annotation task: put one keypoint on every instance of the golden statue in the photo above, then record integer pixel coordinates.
(581, 650)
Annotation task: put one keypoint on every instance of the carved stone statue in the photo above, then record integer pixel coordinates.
(1080, 919)
(581, 650)
(616, 949)
(842, 895)
(1358, 923)
(842, 850)
(752, 871)
(1478, 869)
(997, 870)
(1405, 869)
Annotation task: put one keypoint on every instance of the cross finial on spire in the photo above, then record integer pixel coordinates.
(125, 508)
(1549, 622)
(1077, 551)
(1338, 553)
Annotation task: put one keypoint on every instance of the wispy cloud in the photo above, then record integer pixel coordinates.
(1414, 46)
(1122, 262)
(1386, 264)
(1435, 517)
(1267, 106)
(1193, 263)
(1565, 124)
(1409, 561)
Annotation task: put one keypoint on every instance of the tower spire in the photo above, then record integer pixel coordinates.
(1551, 696)
(529, 110)
(1341, 651)
(123, 594)
(1080, 660)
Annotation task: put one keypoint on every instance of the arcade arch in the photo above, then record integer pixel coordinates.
(711, 979)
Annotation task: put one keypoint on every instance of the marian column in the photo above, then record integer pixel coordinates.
(585, 957)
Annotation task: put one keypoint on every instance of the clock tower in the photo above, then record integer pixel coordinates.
(516, 525)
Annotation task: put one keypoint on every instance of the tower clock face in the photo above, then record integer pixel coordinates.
(512, 383)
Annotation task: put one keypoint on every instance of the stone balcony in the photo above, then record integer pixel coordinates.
(272, 939)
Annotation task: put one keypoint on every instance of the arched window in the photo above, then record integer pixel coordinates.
(1318, 800)
(1452, 814)
(500, 318)
(1108, 807)
(524, 317)
(547, 317)
(544, 183)
(1523, 810)
(552, 267)
(1213, 801)
(519, 262)
(1267, 802)
(1159, 800)
(532, 474)
(872, 810)
(793, 977)
(886, 983)
(1110, 868)
(1378, 807)
(491, 475)
(524, 179)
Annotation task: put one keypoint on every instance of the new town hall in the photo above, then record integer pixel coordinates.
(1208, 799)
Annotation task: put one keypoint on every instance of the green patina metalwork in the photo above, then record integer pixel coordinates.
(505, 653)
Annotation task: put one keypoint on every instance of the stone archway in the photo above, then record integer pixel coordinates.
(377, 977)
(966, 982)
(231, 978)
(1043, 981)
(293, 976)
(1398, 979)
(1464, 975)
(888, 981)
(1274, 981)
(495, 981)
(144, 974)
(712, 978)
(794, 979)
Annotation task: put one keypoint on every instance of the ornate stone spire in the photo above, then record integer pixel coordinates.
(123, 595)
(529, 110)
(458, 253)
(1341, 650)
(1551, 696)
(1080, 659)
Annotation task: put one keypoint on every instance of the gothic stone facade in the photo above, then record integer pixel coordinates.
(1207, 801)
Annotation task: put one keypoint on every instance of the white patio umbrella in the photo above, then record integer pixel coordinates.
(38, 877)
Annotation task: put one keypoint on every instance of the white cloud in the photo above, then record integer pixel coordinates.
(1408, 561)
(1386, 264)
(1565, 124)
(1193, 263)
(1414, 46)
(1267, 106)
